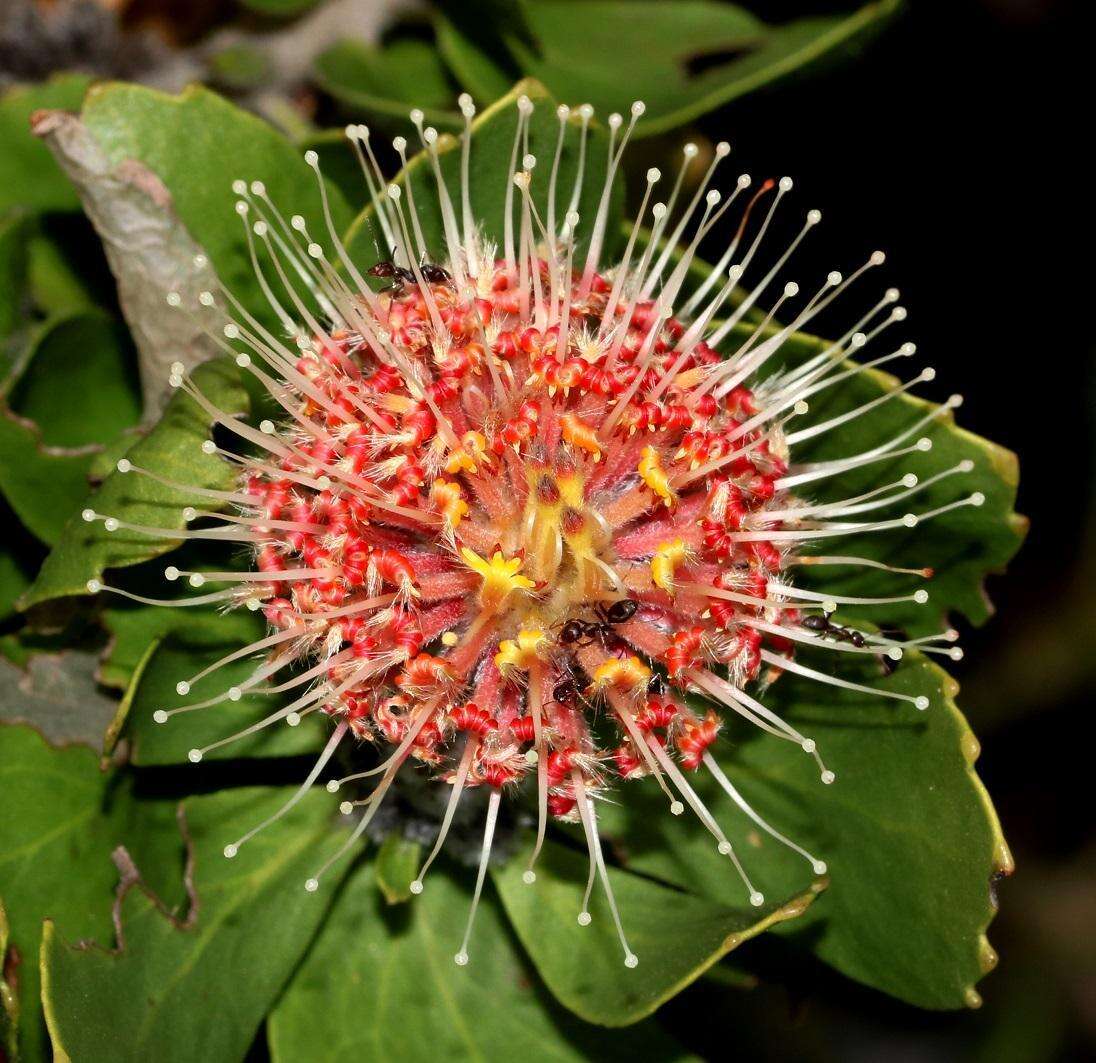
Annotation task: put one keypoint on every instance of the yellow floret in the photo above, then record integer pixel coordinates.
(522, 652)
(626, 675)
(665, 561)
(446, 497)
(654, 476)
(472, 453)
(500, 576)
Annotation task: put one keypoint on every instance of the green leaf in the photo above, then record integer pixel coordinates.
(150, 998)
(907, 829)
(492, 21)
(66, 270)
(611, 52)
(198, 144)
(62, 818)
(57, 694)
(14, 231)
(961, 547)
(199, 640)
(473, 66)
(677, 936)
(15, 577)
(29, 177)
(172, 449)
(280, 8)
(490, 175)
(397, 864)
(43, 486)
(385, 981)
(388, 81)
(45, 453)
(240, 67)
(133, 629)
(88, 354)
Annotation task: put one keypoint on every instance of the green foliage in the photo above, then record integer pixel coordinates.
(29, 178)
(576, 43)
(678, 934)
(697, 56)
(471, 65)
(43, 487)
(240, 68)
(907, 830)
(280, 8)
(397, 864)
(45, 452)
(388, 81)
(397, 994)
(173, 449)
(960, 547)
(246, 925)
(13, 266)
(91, 353)
(182, 653)
(62, 818)
(199, 144)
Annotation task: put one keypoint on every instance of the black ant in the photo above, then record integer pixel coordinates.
(565, 692)
(823, 626)
(576, 632)
(402, 276)
(435, 274)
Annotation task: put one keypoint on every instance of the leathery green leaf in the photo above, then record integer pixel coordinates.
(474, 67)
(196, 642)
(386, 82)
(62, 818)
(397, 994)
(29, 177)
(87, 354)
(738, 53)
(678, 934)
(248, 923)
(960, 547)
(46, 452)
(173, 450)
(908, 832)
(397, 864)
(199, 144)
(14, 234)
(43, 485)
(490, 175)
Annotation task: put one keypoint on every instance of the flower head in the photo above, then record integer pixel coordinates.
(531, 516)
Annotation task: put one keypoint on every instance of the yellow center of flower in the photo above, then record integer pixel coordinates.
(500, 576)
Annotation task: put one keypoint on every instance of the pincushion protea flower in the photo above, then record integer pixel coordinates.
(526, 517)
